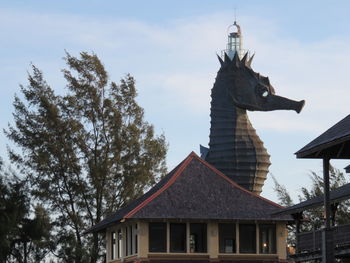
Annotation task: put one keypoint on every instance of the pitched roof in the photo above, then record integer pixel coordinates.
(196, 190)
(347, 169)
(334, 143)
(336, 195)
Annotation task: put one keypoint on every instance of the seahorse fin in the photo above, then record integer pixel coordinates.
(204, 151)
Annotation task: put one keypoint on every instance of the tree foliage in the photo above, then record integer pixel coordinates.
(24, 236)
(86, 153)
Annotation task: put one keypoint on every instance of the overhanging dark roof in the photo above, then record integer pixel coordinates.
(336, 195)
(347, 169)
(333, 143)
(196, 190)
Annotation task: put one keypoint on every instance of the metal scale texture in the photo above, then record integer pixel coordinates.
(234, 147)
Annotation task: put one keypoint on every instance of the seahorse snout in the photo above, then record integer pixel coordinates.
(300, 106)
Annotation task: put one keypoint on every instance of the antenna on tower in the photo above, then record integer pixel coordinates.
(235, 13)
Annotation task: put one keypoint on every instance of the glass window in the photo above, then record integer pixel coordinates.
(227, 238)
(198, 237)
(177, 237)
(126, 242)
(247, 238)
(131, 237)
(120, 240)
(113, 244)
(157, 237)
(135, 239)
(267, 233)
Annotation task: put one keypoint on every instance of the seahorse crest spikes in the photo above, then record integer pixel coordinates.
(235, 62)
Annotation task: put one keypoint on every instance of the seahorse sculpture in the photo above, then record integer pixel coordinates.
(234, 147)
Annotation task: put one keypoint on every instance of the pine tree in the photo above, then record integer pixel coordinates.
(86, 153)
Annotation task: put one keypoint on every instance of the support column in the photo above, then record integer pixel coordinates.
(326, 201)
(327, 235)
(297, 217)
(213, 240)
(334, 208)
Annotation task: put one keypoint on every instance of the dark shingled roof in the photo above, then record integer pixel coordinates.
(196, 190)
(333, 143)
(336, 195)
(347, 169)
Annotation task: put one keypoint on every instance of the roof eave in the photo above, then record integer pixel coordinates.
(317, 152)
(290, 211)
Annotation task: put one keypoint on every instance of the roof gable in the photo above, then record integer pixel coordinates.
(198, 190)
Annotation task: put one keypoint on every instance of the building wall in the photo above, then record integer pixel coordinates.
(281, 232)
(212, 254)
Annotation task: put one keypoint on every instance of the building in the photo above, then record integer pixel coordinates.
(196, 214)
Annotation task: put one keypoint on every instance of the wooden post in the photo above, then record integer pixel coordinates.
(327, 235)
(297, 217)
(334, 208)
(326, 201)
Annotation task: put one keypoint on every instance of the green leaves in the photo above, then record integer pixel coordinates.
(87, 152)
(23, 237)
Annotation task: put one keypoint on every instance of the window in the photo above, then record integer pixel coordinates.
(126, 242)
(178, 237)
(113, 244)
(135, 240)
(157, 237)
(120, 240)
(130, 240)
(198, 237)
(227, 238)
(247, 238)
(267, 233)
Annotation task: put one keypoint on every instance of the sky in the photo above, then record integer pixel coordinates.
(170, 48)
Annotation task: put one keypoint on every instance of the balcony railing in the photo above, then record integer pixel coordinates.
(312, 241)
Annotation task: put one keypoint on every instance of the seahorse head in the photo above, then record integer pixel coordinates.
(249, 90)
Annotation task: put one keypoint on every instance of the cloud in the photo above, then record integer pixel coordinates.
(175, 66)
(176, 62)
(181, 55)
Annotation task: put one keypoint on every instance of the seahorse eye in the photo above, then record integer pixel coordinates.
(262, 91)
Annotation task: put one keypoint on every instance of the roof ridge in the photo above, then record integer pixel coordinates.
(232, 182)
(173, 178)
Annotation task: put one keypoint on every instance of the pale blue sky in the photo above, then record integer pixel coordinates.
(170, 46)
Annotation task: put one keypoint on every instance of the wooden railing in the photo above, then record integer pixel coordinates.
(312, 241)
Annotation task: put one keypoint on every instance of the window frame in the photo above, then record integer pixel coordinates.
(222, 249)
(247, 251)
(184, 237)
(273, 249)
(164, 238)
(113, 244)
(204, 236)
